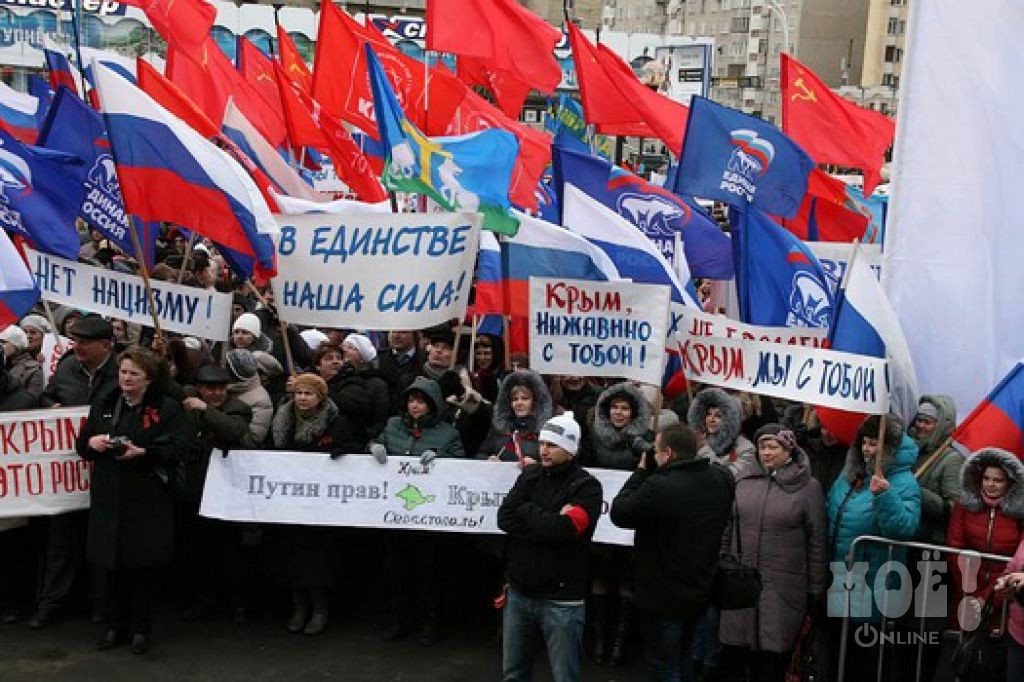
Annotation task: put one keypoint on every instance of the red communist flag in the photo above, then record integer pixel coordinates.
(341, 81)
(292, 61)
(617, 103)
(303, 130)
(509, 92)
(190, 25)
(258, 70)
(310, 125)
(829, 127)
(828, 213)
(502, 35)
(209, 78)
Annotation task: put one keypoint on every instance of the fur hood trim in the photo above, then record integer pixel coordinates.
(636, 428)
(503, 419)
(970, 480)
(721, 442)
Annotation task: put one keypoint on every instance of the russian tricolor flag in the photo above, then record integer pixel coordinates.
(539, 249)
(18, 114)
(61, 72)
(998, 421)
(18, 290)
(171, 173)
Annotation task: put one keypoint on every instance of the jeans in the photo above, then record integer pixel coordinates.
(706, 647)
(559, 623)
(668, 642)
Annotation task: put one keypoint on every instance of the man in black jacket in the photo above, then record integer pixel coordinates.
(79, 378)
(210, 550)
(679, 511)
(549, 515)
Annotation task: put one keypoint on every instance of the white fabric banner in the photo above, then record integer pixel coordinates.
(954, 244)
(598, 329)
(687, 322)
(40, 471)
(379, 271)
(452, 495)
(186, 310)
(774, 361)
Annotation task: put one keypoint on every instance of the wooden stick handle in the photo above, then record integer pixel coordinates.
(932, 458)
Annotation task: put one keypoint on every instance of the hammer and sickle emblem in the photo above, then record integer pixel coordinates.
(805, 94)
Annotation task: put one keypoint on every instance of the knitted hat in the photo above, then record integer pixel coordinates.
(241, 363)
(311, 382)
(362, 344)
(778, 433)
(248, 322)
(562, 431)
(929, 411)
(313, 338)
(15, 336)
(35, 322)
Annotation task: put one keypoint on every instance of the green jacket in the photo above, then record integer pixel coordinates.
(940, 483)
(403, 436)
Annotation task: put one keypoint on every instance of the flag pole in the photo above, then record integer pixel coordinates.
(475, 325)
(505, 340)
(933, 457)
(881, 445)
(289, 360)
(140, 257)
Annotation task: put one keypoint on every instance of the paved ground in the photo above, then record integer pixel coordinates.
(217, 650)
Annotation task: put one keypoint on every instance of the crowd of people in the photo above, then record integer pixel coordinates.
(711, 473)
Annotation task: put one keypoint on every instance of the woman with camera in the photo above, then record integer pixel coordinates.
(135, 436)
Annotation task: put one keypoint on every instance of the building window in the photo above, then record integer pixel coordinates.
(894, 25)
(740, 24)
(893, 54)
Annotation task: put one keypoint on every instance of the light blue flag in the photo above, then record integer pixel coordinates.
(461, 173)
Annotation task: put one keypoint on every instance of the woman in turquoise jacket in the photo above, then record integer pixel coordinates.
(862, 503)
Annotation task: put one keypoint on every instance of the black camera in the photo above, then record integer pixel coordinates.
(118, 444)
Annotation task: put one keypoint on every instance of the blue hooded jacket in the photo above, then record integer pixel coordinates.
(853, 510)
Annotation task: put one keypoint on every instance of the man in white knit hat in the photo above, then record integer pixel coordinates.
(549, 516)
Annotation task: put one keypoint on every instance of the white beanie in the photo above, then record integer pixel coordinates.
(15, 336)
(249, 323)
(562, 431)
(313, 338)
(362, 344)
(36, 322)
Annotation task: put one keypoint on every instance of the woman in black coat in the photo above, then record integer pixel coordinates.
(311, 422)
(135, 436)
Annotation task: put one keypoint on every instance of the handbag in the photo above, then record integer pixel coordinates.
(736, 585)
(981, 656)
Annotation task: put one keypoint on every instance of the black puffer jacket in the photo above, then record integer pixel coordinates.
(610, 448)
(679, 512)
(547, 557)
(504, 422)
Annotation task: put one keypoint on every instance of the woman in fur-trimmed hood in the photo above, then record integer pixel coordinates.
(618, 428)
(987, 517)
(861, 503)
(522, 406)
(715, 417)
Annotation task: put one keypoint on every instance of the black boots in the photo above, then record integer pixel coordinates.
(602, 652)
(621, 640)
(318, 623)
(300, 612)
(598, 622)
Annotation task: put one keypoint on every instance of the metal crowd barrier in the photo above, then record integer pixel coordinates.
(891, 544)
